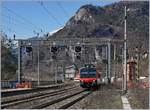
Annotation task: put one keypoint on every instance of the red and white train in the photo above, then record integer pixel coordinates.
(89, 76)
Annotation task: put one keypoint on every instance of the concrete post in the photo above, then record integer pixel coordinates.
(19, 61)
(38, 63)
(109, 62)
(125, 54)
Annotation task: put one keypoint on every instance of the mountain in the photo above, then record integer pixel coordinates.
(108, 21)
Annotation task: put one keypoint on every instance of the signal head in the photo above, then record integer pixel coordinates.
(28, 49)
(78, 49)
(54, 49)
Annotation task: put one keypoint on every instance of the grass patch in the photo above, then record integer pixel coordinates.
(139, 98)
(107, 100)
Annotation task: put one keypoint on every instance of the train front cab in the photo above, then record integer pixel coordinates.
(89, 80)
(88, 83)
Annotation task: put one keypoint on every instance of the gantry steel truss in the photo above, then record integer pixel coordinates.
(70, 41)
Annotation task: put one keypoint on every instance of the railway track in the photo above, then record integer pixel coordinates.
(31, 93)
(66, 103)
(9, 102)
(58, 99)
(69, 100)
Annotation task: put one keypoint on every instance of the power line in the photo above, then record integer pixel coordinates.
(65, 12)
(17, 21)
(9, 29)
(23, 26)
(49, 13)
(26, 20)
(14, 21)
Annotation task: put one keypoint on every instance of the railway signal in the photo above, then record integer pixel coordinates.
(78, 49)
(28, 49)
(54, 51)
(78, 52)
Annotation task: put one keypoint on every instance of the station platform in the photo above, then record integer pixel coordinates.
(12, 90)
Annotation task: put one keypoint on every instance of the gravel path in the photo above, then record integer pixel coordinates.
(139, 98)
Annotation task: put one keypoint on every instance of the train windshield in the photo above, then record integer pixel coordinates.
(88, 73)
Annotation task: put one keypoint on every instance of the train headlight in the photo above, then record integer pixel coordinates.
(95, 82)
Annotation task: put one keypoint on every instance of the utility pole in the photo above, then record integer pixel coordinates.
(38, 69)
(106, 47)
(109, 62)
(115, 62)
(55, 70)
(0, 50)
(19, 60)
(114, 51)
(38, 63)
(138, 61)
(64, 69)
(125, 53)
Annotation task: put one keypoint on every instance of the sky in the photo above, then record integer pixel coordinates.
(27, 18)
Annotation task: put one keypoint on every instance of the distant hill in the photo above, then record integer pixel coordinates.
(108, 21)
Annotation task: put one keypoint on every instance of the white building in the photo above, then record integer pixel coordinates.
(70, 72)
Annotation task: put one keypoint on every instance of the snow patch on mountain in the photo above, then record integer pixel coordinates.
(54, 31)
